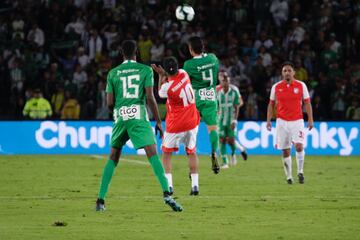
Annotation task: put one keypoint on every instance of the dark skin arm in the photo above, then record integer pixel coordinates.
(110, 103)
(236, 113)
(153, 107)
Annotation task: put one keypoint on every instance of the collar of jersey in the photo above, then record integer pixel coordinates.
(201, 56)
(129, 61)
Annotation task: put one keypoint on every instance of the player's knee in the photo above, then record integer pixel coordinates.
(222, 140)
(231, 141)
(115, 155)
(150, 150)
(299, 147)
(286, 153)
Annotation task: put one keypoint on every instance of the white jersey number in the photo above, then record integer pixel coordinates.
(207, 75)
(187, 95)
(129, 84)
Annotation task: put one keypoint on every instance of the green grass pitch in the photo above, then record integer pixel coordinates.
(249, 201)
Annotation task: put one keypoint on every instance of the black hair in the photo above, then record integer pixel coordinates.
(128, 48)
(287, 63)
(196, 44)
(171, 65)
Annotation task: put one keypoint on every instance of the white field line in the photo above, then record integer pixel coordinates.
(123, 160)
(260, 198)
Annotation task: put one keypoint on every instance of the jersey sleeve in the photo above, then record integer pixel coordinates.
(109, 85)
(149, 78)
(237, 97)
(272, 95)
(164, 90)
(306, 95)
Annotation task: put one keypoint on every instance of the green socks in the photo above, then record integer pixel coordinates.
(223, 152)
(233, 148)
(159, 171)
(106, 178)
(214, 140)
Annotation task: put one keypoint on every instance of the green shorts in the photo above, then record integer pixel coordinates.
(139, 132)
(208, 111)
(225, 131)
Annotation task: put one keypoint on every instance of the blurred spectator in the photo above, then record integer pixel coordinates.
(353, 111)
(36, 36)
(145, 45)
(58, 100)
(300, 72)
(82, 58)
(157, 51)
(95, 45)
(251, 105)
(319, 110)
(37, 107)
(71, 108)
(266, 57)
(280, 11)
(79, 77)
(338, 102)
(102, 111)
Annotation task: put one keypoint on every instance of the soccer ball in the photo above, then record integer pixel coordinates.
(185, 13)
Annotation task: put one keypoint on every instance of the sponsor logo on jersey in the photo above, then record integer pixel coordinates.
(207, 94)
(127, 113)
(210, 65)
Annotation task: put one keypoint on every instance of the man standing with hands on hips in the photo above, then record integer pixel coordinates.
(288, 96)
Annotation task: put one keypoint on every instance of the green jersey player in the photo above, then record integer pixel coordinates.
(129, 87)
(229, 100)
(203, 70)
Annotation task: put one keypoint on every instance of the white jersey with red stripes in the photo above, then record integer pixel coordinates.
(182, 114)
(289, 98)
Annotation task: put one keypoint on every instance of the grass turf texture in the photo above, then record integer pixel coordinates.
(53, 197)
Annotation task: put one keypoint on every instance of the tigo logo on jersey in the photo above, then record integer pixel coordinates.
(127, 113)
(207, 94)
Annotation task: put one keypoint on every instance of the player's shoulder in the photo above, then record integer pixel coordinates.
(300, 83)
(279, 83)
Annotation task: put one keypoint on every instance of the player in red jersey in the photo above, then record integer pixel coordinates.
(288, 95)
(182, 118)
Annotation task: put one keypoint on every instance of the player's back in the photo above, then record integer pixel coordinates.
(203, 70)
(127, 82)
(181, 109)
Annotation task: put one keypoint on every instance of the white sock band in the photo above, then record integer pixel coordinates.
(300, 158)
(287, 167)
(194, 180)
(169, 178)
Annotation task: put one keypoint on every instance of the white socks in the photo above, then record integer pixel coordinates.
(238, 146)
(194, 180)
(169, 178)
(287, 167)
(300, 157)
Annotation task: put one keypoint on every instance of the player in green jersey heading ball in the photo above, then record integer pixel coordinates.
(129, 87)
(203, 70)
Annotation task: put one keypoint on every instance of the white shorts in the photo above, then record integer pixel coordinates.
(172, 141)
(288, 132)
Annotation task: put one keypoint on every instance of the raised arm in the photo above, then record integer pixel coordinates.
(153, 107)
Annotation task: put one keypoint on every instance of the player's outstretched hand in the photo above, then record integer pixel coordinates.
(158, 129)
(159, 69)
(268, 126)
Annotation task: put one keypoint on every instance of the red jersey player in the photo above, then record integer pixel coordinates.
(288, 95)
(182, 118)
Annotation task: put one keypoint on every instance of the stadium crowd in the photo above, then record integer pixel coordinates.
(60, 51)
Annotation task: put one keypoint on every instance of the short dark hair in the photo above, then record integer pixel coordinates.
(128, 48)
(196, 44)
(287, 63)
(171, 65)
